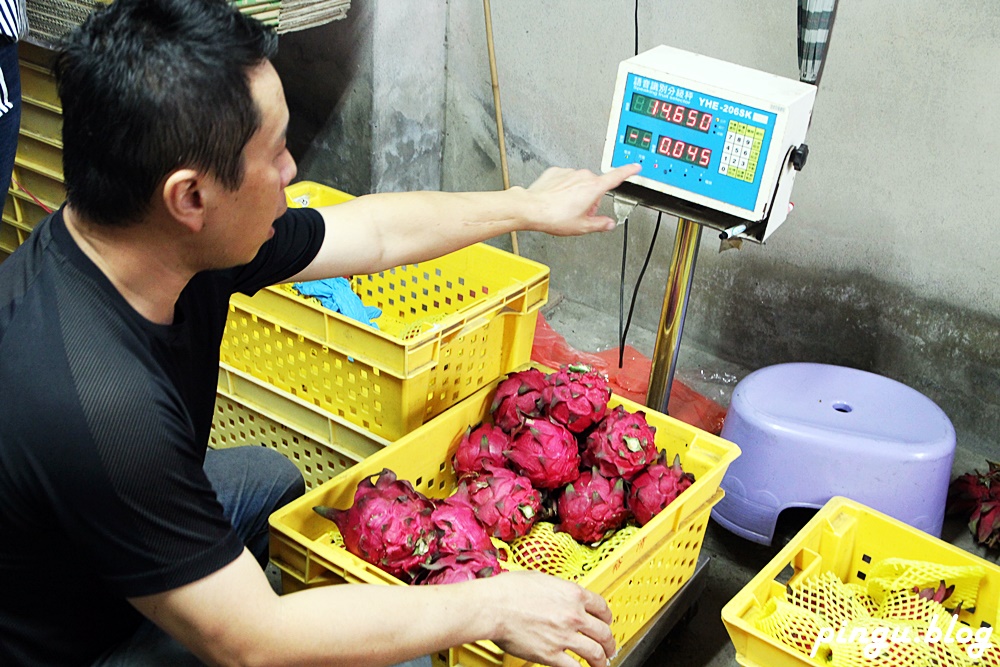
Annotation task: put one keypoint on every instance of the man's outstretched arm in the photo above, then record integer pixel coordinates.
(380, 231)
(233, 617)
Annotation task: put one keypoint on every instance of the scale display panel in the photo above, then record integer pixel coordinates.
(708, 133)
(694, 141)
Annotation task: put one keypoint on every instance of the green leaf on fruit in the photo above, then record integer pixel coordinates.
(633, 444)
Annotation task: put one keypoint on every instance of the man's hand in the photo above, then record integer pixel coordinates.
(541, 616)
(565, 200)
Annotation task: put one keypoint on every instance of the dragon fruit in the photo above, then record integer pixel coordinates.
(484, 444)
(656, 487)
(504, 502)
(576, 396)
(621, 445)
(546, 453)
(976, 497)
(458, 528)
(464, 566)
(592, 507)
(389, 525)
(517, 398)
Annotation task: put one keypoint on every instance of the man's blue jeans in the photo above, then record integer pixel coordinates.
(250, 482)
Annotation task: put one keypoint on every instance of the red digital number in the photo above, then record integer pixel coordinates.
(692, 118)
(706, 122)
(692, 153)
(665, 110)
(678, 150)
(664, 147)
(678, 116)
(653, 107)
(706, 155)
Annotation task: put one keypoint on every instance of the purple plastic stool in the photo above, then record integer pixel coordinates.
(809, 432)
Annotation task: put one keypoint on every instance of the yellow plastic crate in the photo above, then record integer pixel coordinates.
(38, 86)
(23, 210)
(248, 412)
(845, 538)
(35, 55)
(307, 194)
(42, 154)
(42, 123)
(19, 219)
(28, 179)
(637, 578)
(11, 235)
(449, 327)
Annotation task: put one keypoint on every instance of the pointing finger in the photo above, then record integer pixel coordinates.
(616, 176)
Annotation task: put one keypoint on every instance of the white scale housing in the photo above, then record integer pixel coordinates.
(715, 139)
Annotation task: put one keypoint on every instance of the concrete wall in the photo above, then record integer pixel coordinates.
(887, 262)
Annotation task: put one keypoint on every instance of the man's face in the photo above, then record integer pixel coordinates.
(245, 216)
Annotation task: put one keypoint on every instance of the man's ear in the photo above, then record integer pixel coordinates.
(184, 199)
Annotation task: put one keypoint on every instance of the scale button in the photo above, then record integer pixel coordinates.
(730, 137)
(743, 163)
(734, 160)
(745, 152)
(724, 169)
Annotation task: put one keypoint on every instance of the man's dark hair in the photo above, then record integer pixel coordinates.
(150, 86)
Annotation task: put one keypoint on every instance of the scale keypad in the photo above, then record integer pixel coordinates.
(741, 151)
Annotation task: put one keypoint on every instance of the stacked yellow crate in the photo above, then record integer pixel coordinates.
(448, 327)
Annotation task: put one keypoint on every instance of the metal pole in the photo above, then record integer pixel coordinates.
(675, 300)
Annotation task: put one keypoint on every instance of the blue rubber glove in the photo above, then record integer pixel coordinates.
(336, 294)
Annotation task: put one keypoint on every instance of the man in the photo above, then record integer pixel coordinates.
(117, 526)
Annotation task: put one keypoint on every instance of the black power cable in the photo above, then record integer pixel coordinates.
(623, 323)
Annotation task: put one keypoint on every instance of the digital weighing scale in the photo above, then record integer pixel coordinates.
(719, 143)
(719, 146)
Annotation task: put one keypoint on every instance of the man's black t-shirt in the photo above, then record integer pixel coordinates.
(104, 420)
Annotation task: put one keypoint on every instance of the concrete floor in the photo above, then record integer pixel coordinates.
(703, 641)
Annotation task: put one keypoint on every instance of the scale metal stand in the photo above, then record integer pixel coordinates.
(687, 239)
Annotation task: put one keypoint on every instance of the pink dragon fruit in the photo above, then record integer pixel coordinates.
(656, 487)
(517, 398)
(505, 502)
(592, 507)
(976, 496)
(464, 566)
(546, 453)
(458, 528)
(621, 445)
(389, 525)
(485, 444)
(576, 396)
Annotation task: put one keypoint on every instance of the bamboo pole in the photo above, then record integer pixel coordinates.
(499, 113)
